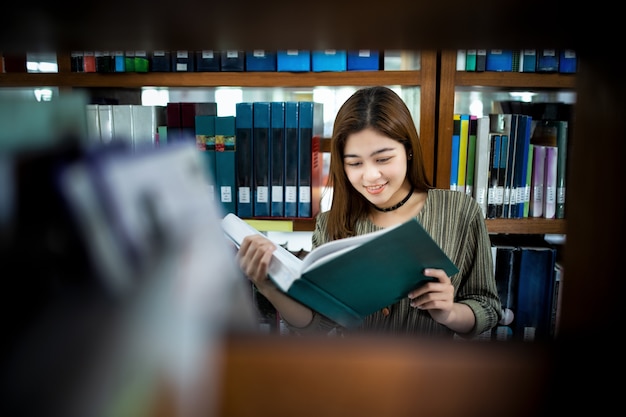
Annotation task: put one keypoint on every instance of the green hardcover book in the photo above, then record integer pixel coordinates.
(342, 278)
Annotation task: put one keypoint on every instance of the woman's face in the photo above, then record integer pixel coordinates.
(376, 166)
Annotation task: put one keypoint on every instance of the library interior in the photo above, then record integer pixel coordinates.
(108, 309)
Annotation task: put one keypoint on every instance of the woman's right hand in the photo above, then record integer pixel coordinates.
(254, 257)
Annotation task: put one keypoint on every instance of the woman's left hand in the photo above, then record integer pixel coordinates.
(437, 297)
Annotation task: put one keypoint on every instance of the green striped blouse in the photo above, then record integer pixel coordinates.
(456, 223)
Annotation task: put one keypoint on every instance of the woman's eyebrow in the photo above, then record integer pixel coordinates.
(376, 152)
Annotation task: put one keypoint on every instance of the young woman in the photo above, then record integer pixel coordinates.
(378, 179)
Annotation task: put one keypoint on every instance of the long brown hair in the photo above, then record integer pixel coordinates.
(381, 109)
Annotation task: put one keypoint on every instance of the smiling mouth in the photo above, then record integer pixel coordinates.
(375, 188)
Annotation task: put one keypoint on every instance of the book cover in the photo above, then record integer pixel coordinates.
(182, 61)
(495, 142)
(261, 60)
(310, 130)
(549, 198)
(506, 282)
(522, 140)
(119, 60)
(463, 144)
(329, 60)
(538, 179)
(207, 60)
(471, 155)
(482, 169)
(161, 61)
(293, 60)
(363, 60)
(277, 162)
(129, 61)
(534, 293)
(104, 61)
(561, 170)
(76, 61)
(232, 60)
(511, 121)
(454, 156)
(500, 60)
(123, 123)
(341, 279)
(106, 122)
(225, 164)
(244, 159)
(470, 60)
(567, 61)
(205, 142)
(173, 122)
(92, 124)
(529, 180)
(529, 60)
(461, 57)
(547, 60)
(89, 61)
(481, 60)
(142, 61)
(291, 159)
(146, 119)
(261, 153)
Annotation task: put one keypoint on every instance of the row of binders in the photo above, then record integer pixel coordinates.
(513, 166)
(265, 161)
(229, 60)
(517, 60)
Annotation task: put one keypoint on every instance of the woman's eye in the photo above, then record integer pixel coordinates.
(353, 164)
(383, 160)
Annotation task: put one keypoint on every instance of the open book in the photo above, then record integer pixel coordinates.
(349, 279)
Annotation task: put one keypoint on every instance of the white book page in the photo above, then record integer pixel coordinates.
(284, 268)
(335, 248)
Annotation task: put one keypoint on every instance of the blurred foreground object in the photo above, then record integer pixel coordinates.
(118, 278)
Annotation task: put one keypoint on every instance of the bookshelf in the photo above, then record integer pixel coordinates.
(593, 292)
(450, 80)
(424, 78)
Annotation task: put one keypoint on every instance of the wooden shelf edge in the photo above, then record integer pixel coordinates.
(211, 79)
(514, 226)
(515, 80)
(527, 226)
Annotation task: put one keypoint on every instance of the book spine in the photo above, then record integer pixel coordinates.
(509, 179)
(536, 191)
(261, 158)
(535, 291)
(549, 208)
(225, 163)
(471, 155)
(561, 173)
(205, 137)
(463, 144)
(277, 163)
(529, 181)
(123, 123)
(521, 164)
(310, 126)
(454, 157)
(494, 170)
(244, 159)
(481, 176)
(291, 159)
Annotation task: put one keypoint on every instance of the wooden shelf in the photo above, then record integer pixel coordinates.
(527, 226)
(513, 226)
(211, 79)
(507, 80)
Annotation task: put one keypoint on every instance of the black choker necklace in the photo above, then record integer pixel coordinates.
(397, 206)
